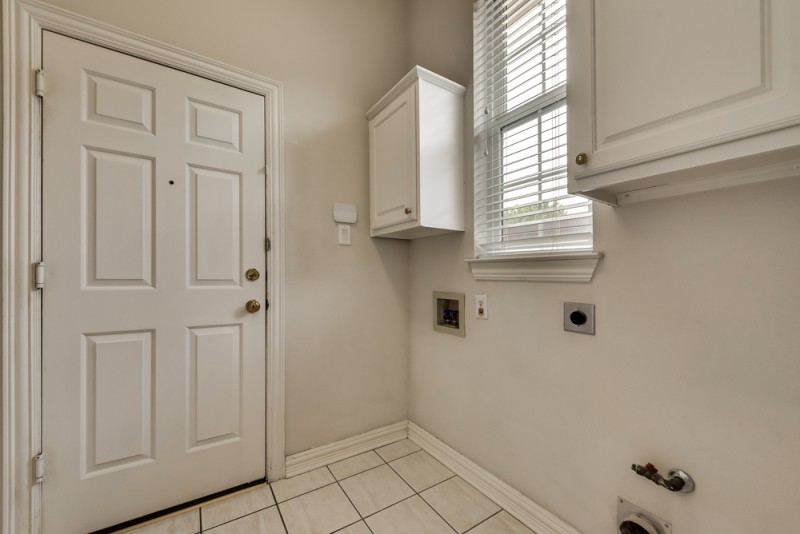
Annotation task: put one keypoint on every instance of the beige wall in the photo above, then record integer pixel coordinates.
(346, 307)
(440, 37)
(696, 361)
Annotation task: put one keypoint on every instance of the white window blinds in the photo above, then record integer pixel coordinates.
(520, 69)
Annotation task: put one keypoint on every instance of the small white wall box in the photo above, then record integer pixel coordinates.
(344, 213)
(448, 313)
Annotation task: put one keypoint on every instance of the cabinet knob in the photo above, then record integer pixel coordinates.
(407, 211)
(581, 158)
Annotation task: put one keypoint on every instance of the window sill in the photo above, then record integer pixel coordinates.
(576, 267)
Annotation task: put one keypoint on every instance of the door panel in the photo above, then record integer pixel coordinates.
(214, 222)
(153, 206)
(214, 126)
(118, 393)
(119, 102)
(119, 219)
(215, 384)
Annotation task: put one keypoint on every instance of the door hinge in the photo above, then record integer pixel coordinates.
(38, 469)
(38, 83)
(38, 275)
(267, 244)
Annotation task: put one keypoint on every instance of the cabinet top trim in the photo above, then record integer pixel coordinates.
(417, 73)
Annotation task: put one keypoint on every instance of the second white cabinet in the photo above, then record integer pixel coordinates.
(416, 158)
(667, 98)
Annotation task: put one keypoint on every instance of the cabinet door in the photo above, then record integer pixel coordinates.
(649, 79)
(393, 162)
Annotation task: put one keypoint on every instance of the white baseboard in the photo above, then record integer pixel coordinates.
(528, 512)
(333, 452)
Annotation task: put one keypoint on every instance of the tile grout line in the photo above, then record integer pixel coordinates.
(306, 492)
(423, 498)
(401, 478)
(403, 456)
(473, 487)
(335, 481)
(502, 509)
(415, 494)
(470, 529)
(446, 522)
(442, 482)
(237, 518)
(361, 517)
(364, 518)
(280, 514)
(200, 510)
(356, 474)
(438, 483)
(373, 514)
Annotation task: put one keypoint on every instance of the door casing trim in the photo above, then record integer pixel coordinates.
(23, 22)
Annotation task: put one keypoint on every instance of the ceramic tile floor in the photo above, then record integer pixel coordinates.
(396, 489)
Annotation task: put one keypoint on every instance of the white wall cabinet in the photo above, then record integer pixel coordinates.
(667, 98)
(416, 158)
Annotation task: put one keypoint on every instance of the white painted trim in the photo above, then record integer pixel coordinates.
(7, 286)
(572, 267)
(515, 503)
(311, 459)
(23, 22)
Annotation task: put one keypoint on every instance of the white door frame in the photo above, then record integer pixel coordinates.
(23, 22)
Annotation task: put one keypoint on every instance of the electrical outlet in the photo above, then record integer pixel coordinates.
(481, 307)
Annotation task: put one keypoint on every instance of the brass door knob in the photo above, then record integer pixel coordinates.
(252, 274)
(252, 306)
(407, 210)
(581, 159)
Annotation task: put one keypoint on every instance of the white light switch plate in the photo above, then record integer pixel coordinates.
(481, 307)
(344, 234)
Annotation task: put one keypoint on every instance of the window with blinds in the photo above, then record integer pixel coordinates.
(520, 70)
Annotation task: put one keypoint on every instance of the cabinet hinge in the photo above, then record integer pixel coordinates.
(38, 275)
(267, 244)
(38, 83)
(38, 469)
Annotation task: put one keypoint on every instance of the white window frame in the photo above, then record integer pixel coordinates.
(509, 262)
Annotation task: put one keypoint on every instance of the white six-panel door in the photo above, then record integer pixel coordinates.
(153, 210)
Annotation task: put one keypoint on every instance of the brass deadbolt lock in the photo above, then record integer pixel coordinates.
(252, 274)
(581, 158)
(252, 306)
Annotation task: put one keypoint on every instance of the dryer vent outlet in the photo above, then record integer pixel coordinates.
(579, 317)
(632, 519)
